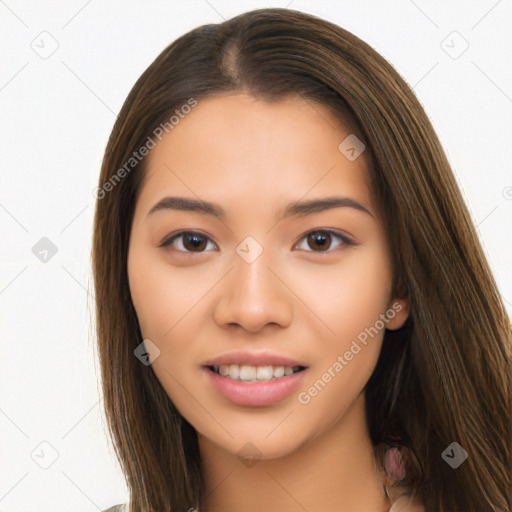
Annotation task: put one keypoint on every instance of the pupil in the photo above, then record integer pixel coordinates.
(194, 240)
(320, 239)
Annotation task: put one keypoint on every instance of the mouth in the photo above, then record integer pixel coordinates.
(255, 386)
(250, 373)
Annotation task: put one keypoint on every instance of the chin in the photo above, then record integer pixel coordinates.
(264, 443)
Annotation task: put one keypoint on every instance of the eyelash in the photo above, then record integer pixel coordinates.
(344, 240)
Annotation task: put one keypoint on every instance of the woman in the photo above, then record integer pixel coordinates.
(294, 311)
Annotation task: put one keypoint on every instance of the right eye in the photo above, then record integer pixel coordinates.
(188, 241)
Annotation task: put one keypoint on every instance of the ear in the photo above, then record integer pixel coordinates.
(397, 313)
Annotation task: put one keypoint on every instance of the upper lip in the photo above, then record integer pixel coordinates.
(260, 358)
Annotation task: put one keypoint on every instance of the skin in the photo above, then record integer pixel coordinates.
(252, 158)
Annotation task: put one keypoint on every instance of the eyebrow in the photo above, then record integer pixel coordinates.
(291, 210)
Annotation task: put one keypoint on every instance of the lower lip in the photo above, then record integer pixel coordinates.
(255, 394)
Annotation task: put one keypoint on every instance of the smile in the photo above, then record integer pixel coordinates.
(243, 387)
(248, 373)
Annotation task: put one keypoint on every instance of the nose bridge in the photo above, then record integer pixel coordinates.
(252, 296)
(252, 279)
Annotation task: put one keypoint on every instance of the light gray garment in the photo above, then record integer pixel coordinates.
(117, 508)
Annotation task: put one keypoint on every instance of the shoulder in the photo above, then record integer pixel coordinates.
(117, 508)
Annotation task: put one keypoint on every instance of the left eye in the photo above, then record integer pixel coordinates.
(321, 240)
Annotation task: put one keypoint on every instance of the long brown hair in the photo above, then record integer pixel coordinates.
(443, 378)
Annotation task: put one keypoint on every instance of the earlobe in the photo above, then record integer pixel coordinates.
(397, 313)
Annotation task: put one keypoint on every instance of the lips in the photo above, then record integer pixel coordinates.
(260, 358)
(254, 394)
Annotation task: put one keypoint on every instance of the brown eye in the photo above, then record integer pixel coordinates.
(322, 241)
(188, 241)
(193, 242)
(319, 240)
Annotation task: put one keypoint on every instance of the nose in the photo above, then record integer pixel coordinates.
(252, 297)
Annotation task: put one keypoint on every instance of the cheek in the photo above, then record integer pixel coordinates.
(162, 295)
(348, 297)
(146, 289)
(351, 305)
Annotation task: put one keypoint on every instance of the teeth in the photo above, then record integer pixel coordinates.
(264, 372)
(234, 371)
(250, 373)
(279, 371)
(247, 373)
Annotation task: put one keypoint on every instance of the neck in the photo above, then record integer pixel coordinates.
(333, 472)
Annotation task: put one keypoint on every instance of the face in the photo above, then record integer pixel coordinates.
(268, 283)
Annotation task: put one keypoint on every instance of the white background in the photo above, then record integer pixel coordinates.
(56, 116)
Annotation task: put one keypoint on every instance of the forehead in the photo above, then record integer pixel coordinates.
(236, 144)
